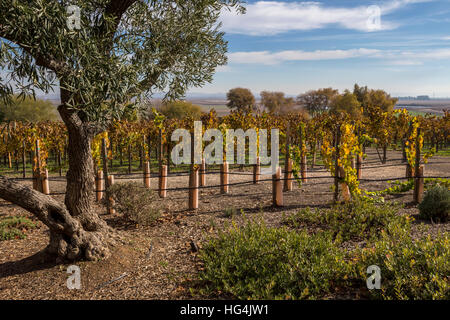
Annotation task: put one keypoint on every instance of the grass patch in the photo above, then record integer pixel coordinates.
(15, 227)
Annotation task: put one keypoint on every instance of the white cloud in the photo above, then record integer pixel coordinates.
(392, 57)
(446, 38)
(435, 54)
(404, 63)
(274, 17)
(271, 58)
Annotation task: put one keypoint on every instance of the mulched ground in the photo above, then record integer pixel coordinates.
(157, 262)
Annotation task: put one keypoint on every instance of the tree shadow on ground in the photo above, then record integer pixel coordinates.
(38, 261)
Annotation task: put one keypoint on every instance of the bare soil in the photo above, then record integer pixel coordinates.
(158, 261)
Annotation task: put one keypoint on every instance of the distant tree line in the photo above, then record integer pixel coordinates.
(362, 101)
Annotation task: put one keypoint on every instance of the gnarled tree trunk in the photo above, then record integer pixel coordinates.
(76, 232)
(69, 239)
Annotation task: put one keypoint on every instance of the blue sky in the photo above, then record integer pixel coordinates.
(295, 46)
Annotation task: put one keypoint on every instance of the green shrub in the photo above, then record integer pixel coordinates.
(353, 221)
(410, 269)
(135, 202)
(15, 227)
(180, 110)
(435, 204)
(258, 262)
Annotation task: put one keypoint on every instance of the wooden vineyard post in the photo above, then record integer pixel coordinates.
(167, 154)
(288, 162)
(277, 188)
(9, 160)
(193, 188)
(147, 174)
(359, 161)
(111, 201)
(419, 185)
(44, 182)
(224, 178)
(256, 171)
(163, 181)
(345, 191)
(288, 176)
(160, 148)
(193, 179)
(303, 169)
(37, 184)
(203, 173)
(99, 186)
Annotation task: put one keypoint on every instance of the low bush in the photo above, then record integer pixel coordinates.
(135, 202)
(258, 262)
(353, 221)
(435, 204)
(410, 269)
(15, 227)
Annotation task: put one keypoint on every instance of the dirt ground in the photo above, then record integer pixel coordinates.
(158, 262)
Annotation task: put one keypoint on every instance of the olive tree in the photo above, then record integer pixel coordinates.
(100, 54)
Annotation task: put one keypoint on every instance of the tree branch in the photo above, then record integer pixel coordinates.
(45, 208)
(41, 60)
(114, 9)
